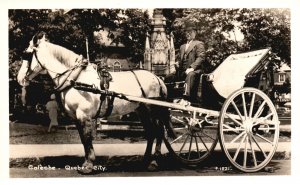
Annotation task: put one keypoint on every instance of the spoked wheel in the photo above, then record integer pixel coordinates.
(249, 129)
(194, 139)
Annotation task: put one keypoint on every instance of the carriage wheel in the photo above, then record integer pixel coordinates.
(194, 139)
(249, 129)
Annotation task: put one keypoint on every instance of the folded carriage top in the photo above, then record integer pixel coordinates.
(231, 74)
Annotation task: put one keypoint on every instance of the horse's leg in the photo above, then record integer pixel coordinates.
(145, 118)
(159, 133)
(148, 153)
(162, 122)
(161, 117)
(87, 132)
(159, 138)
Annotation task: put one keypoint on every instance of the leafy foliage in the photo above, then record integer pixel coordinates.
(134, 30)
(267, 28)
(260, 28)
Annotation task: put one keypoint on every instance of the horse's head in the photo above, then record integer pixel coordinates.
(31, 67)
(46, 57)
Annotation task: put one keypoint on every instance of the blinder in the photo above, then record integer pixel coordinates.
(37, 37)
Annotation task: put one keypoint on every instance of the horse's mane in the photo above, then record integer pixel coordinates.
(64, 55)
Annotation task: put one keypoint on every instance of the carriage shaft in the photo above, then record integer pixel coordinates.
(194, 110)
(190, 108)
(173, 105)
(95, 90)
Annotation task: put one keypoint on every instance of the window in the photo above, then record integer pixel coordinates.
(281, 78)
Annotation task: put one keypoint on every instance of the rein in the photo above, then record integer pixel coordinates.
(80, 63)
(72, 71)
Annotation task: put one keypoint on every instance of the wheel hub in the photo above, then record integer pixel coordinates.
(248, 125)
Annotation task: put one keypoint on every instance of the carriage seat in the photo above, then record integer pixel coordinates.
(176, 89)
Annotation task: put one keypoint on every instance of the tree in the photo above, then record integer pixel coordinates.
(267, 28)
(68, 29)
(88, 21)
(22, 26)
(261, 28)
(135, 25)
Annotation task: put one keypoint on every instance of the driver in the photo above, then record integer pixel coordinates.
(190, 64)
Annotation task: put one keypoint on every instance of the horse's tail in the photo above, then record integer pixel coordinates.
(163, 89)
(164, 115)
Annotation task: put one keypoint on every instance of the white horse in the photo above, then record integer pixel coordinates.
(62, 64)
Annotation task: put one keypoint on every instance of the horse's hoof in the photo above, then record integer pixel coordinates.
(153, 166)
(86, 168)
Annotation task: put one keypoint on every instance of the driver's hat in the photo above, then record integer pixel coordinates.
(189, 26)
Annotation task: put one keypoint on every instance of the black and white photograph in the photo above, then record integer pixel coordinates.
(149, 91)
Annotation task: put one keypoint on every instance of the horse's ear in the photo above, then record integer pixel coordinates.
(43, 38)
(38, 38)
(34, 40)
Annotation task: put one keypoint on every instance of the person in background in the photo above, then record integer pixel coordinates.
(190, 64)
(52, 108)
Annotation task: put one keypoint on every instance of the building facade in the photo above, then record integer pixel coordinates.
(282, 84)
(283, 75)
(159, 56)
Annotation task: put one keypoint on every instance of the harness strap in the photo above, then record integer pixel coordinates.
(102, 98)
(143, 92)
(27, 56)
(105, 78)
(110, 106)
(73, 74)
(60, 86)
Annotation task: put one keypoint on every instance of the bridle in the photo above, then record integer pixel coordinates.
(30, 71)
(71, 73)
(29, 56)
(80, 62)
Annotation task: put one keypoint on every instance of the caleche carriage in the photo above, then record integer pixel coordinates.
(247, 125)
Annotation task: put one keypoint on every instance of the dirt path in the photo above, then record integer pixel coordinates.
(21, 133)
